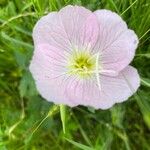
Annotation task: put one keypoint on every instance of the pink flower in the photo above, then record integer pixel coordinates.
(82, 57)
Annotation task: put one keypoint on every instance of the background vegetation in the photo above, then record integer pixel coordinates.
(125, 126)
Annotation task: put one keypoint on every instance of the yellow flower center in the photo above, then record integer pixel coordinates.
(82, 63)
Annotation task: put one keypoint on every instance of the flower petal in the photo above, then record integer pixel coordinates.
(55, 85)
(80, 25)
(113, 89)
(116, 42)
(73, 27)
(49, 30)
(120, 88)
(47, 61)
(49, 71)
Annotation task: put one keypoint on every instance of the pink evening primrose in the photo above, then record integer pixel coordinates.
(82, 58)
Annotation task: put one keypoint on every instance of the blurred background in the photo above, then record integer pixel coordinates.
(125, 126)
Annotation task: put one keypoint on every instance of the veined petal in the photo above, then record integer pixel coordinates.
(120, 88)
(49, 30)
(113, 89)
(81, 26)
(47, 62)
(72, 28)
(48, 67)
(116, 42)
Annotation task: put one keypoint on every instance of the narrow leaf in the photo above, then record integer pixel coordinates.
(79, 145)
(145, 82)
(63, 116)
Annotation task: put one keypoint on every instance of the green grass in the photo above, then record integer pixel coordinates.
(124, 126)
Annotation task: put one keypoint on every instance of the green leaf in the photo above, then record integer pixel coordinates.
(114, 5)
(27, 85)
(143, 101)
(147, 55)
(16, 41)
(117, 115)
(91, 109)
(145, 82)
(79, 145)
(63, 116)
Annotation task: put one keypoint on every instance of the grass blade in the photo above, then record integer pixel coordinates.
(79, 145)
(63, 116)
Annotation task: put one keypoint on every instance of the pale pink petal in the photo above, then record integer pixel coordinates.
(116, 43)
(72, 28)
(48, 67)
(71, 90)
(88, 33)
(121, 87)
(48, 30)
(80, 25)
(48, 60)
(113, 89)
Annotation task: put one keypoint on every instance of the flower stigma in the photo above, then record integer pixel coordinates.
(82, 63)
